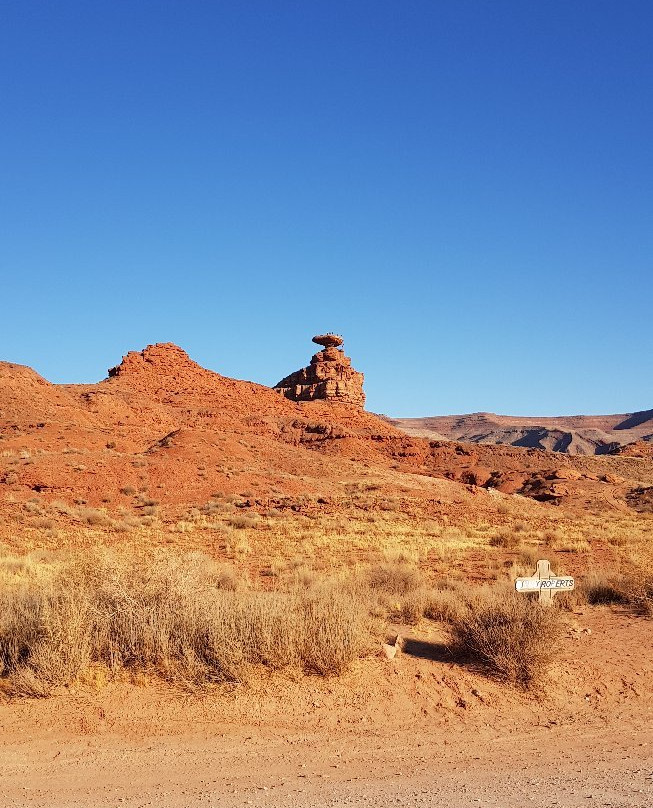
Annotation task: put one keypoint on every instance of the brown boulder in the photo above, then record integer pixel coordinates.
(567, 473)
(640, 448)
(328, 340)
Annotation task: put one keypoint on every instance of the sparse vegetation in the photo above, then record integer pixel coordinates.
(601, 587)
(283, 552)
(94, 516)
(443, 604)
(395, 577)
(513, 636)
(242, 521)
(185, 618)
(506, 539)
(638, 586)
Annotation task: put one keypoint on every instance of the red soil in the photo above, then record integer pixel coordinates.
(162, 422)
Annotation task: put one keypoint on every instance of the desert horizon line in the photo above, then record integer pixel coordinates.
(399, 417)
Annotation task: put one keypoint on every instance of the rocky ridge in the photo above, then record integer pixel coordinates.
(574, 435)
(164, 424)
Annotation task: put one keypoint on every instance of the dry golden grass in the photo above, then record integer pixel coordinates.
(636, 585)
(398, 577)
(603, 587)
(316, 579)
(506, 539)
(357, 530)
(185, 618)
(444, 603)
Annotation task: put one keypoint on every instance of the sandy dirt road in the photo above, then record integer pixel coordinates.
(412, 732)
(564, 765)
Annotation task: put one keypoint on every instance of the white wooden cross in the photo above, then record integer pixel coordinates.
(545, 582)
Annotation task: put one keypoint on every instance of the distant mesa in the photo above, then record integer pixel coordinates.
(328, 377)
(627, 434)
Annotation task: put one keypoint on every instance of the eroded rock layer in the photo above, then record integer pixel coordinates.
(575, 434)
(329, 376)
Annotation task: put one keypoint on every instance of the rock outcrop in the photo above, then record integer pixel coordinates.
(329, 376)
(164, 358)
(639, 448)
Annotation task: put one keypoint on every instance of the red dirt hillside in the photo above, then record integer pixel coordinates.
(162, 422)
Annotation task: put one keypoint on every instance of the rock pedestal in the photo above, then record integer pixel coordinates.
(329, 376)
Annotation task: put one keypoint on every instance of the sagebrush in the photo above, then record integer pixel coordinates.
(184, 618)
(513, 636)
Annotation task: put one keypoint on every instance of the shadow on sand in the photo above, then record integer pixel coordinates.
(436, 651)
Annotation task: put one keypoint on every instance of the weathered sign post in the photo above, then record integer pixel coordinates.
(545, 582)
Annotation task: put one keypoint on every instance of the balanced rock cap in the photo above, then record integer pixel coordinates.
(328, 340)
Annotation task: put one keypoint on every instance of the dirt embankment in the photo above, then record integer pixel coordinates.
(417, 730)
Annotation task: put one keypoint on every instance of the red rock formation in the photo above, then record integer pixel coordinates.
(574, 434)
(161, 423)
(639, 448)
(164, 357)
(329, 376)
(328, 340)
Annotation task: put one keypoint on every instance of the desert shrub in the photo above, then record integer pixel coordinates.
(643, 598)
(210, 507)
(571, 546)
(530, 555)
(61, 507)
(241, 547)
(562, 543)
(639, 590)
(399, 590)
(505, 539)
(444, 605)
(632, 586)
(602, 587)
(34, 506)
(43, 636)
(297, 575)
(513, 636)
(394, 577)
(334, 629)
(94, 517)
(122, 526)
(617, 541)
(184, 617)
(221, 528)
(241, 522)
(410, 608)
(183, 527)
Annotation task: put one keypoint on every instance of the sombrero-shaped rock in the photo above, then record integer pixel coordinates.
(328, 340)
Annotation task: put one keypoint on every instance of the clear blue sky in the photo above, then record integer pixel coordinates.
(463, 188)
